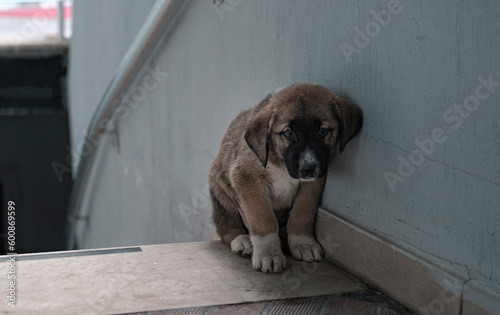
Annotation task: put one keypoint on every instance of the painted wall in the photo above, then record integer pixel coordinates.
(424, 172)
(102, 34)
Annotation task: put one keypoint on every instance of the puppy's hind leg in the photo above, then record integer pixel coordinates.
(230, 226)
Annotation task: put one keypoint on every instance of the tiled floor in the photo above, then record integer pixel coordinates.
(366, 303)
(188, 277)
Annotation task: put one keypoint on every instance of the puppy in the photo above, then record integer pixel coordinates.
(270, 172)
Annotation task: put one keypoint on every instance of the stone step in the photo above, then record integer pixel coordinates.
(195, 277)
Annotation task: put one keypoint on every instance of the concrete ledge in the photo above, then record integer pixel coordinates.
(156, 277)
(408, 279)
(477, 301)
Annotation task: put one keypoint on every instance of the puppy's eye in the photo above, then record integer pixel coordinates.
(288, 133)
(323, 131)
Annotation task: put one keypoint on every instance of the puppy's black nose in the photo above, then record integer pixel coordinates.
(308, 168)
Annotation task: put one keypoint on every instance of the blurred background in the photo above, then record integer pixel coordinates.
(34, 127)
(28, 22)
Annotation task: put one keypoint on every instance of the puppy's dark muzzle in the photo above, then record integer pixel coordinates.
(308, 170)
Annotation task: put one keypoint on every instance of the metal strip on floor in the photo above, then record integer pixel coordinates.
(72, 254)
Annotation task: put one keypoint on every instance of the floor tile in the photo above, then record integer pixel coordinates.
(162, 277)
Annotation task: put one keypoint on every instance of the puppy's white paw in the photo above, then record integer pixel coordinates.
(269, 263)
(305, 248)
(242, 245)
(267, 255)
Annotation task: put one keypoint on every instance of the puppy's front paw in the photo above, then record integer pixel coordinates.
(305, 248)
(267, 255)
(269, 263)
(242, 245)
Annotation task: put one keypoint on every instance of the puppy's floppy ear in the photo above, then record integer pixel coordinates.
(258, 134)
(351, 120)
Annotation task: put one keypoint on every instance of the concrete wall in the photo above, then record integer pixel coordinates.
(423, 174)
(102, 34)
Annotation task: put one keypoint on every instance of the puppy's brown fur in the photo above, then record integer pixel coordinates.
(270, 171)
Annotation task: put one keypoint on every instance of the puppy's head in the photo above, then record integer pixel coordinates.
(300, 126)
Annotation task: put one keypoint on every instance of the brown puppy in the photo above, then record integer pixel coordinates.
(271, 170)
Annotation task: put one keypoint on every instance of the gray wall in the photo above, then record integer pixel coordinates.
(407, 74)
(102, 34)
